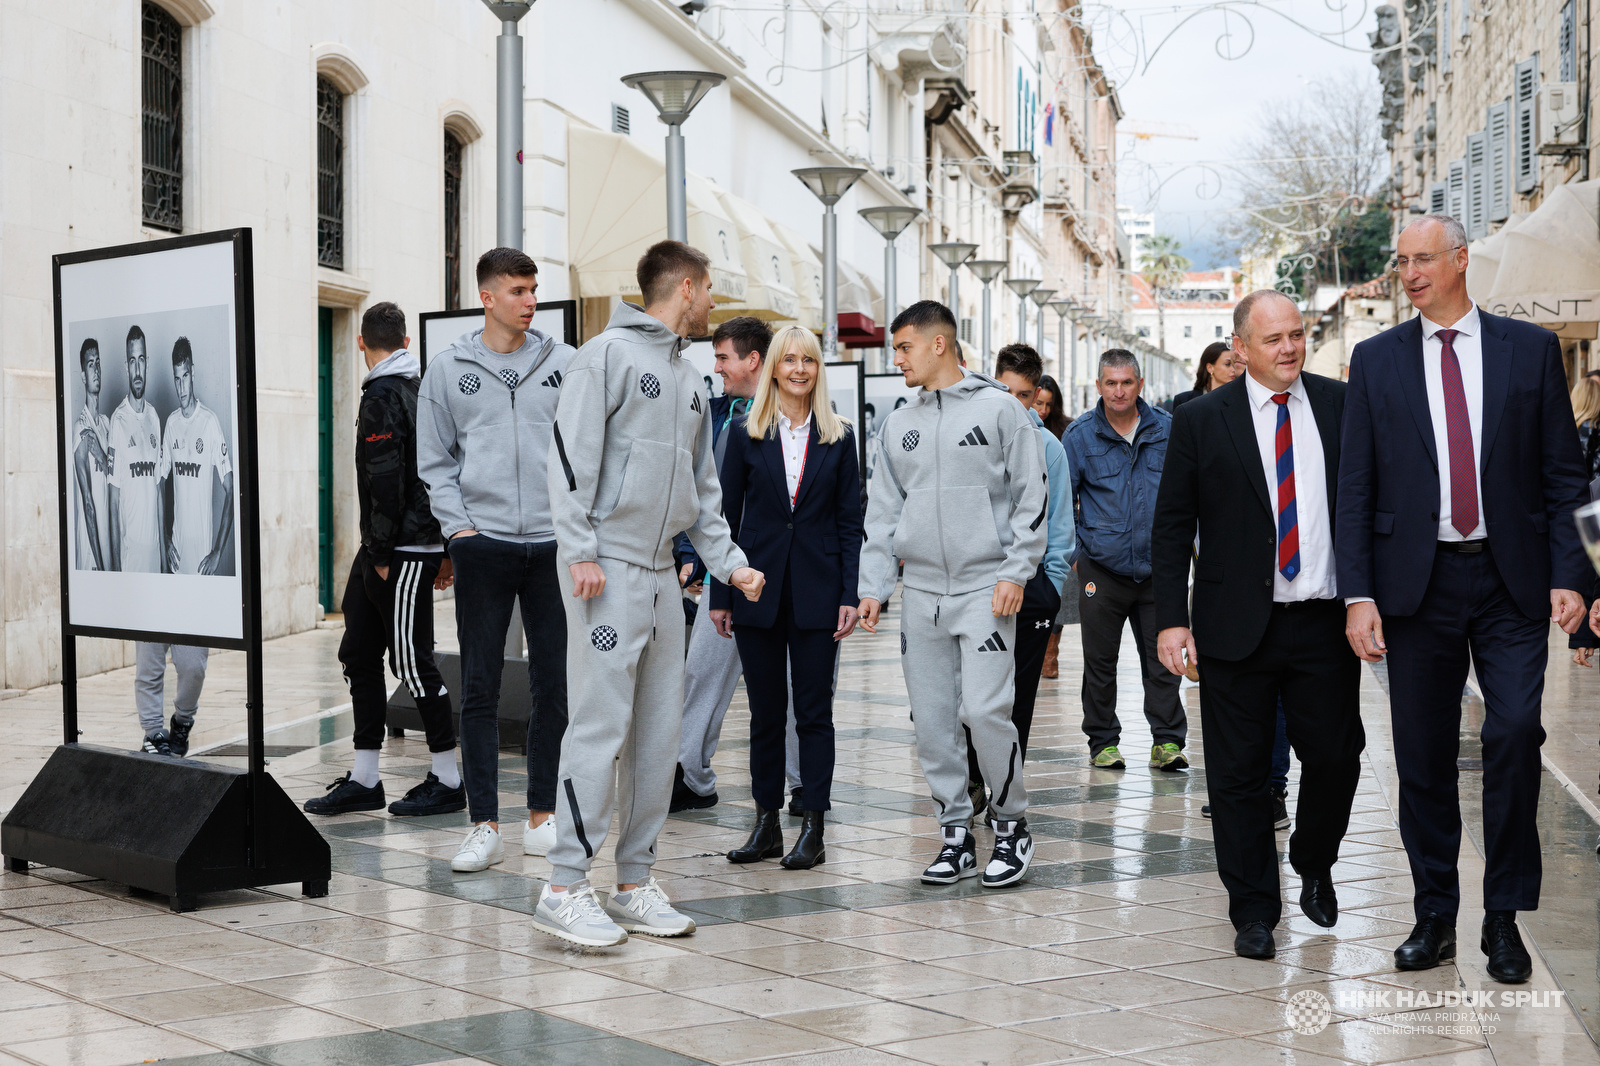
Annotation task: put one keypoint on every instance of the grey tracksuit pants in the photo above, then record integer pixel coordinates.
(624, 718)
(150, 678)
(710, 675)
(960, 667)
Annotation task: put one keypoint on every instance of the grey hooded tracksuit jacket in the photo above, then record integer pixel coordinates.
(960, 495)
(632, 465)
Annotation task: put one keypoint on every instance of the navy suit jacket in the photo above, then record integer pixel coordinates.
(1529, 463)
(820, 538)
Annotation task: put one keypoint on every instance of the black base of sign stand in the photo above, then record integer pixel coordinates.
(176, 827)
(516, 705)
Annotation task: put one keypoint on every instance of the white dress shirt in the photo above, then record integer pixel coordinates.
(1316, 580)
(1468, 347)
(794, 441)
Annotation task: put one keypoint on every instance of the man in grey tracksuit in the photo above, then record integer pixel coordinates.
(961, 451)
(632, 465)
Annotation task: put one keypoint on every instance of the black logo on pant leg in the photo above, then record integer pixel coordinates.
(994, 643)
(902, 643)
(604, 638)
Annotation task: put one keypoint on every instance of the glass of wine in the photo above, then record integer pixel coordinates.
(1588, 519)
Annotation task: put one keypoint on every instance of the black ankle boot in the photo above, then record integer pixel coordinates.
(808, 850)
(766, 840)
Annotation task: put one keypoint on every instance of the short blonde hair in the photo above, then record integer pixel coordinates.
(1586, 400)
(764, 410)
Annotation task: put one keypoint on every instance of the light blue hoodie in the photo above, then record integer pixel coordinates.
(1060, 541)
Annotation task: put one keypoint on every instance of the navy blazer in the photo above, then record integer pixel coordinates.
(1530, 467)
(820, 538)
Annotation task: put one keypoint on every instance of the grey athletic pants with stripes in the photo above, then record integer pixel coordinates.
(625, 718)
(393, 618)
(960, 666)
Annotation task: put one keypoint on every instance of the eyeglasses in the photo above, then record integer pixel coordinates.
(1400, 262)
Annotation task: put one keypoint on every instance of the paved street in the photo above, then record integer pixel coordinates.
(1115, 948)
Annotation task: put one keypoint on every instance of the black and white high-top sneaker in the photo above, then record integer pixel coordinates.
(178, 735)
(957, 859)
(1013, 851)
(156, 743)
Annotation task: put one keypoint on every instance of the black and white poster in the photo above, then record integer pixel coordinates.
(881, 394)
(147, 375)
(437, 330)
(702, 355)
(844, 393)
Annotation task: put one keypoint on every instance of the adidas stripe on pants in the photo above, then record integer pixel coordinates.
(960, 669)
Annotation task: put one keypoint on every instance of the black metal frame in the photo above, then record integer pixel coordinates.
(453, 151)
(569, 323)
(330, 174)
(161, 118)
(860, 413)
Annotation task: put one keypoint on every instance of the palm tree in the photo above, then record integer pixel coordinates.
(1163, 268)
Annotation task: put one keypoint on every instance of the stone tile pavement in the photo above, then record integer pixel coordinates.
(1116, 948)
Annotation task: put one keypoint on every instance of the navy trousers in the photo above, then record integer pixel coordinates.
(1467, 609)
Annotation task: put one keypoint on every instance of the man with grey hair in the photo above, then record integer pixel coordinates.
(1115, 452)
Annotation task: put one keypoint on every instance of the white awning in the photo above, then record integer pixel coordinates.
(1549, 269)
(1483, 258)
(807, 276)
(769, 266)
(617, 204)
(858, 294)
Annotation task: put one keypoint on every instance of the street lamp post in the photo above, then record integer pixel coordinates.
(1022, 286)
(829, 184)
(890, 222)
(952, 254)
(987, 270)
(508, 121)
(674, 94)
(1040, 297)
(1061, 307)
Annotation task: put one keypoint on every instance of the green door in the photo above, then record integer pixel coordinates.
(325, 457)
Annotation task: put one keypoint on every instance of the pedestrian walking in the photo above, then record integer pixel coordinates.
(1219, 364)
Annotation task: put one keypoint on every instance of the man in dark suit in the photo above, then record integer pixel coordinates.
(1251, 468)
(1459, 476)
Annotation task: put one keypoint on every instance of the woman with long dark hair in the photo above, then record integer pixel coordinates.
(1219, 364)
(1049, 401)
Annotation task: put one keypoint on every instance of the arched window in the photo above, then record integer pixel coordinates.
(162, 104)
(452, 221)
(330, 174)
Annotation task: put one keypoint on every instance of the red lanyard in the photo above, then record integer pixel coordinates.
(795, 495)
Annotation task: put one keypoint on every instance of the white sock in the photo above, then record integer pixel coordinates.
(444, 768)
(366, 771)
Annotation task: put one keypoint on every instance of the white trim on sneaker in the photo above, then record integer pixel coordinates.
(648, 911)
(540, 839)
(481, 850)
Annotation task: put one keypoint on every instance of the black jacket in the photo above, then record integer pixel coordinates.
(1214, 484)
(394, 500)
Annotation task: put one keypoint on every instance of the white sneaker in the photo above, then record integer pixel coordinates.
(577, 917)
(540, 840)
(647, 910)
(481, 850)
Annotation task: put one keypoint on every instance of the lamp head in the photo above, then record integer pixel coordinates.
(953, 253)
(829, 184)
(674, 92)
(508, 10)
(1060, 307)
(889, 221)
(1041, 296)
(987, 269)
(1022, 286)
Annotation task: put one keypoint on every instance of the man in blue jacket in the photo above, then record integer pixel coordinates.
(1116, 452)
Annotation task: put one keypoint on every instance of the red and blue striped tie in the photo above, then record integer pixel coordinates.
(1288, 525)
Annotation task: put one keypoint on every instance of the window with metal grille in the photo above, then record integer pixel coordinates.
(162, 100)
(620, 119)
(330, 175)
(452, 221)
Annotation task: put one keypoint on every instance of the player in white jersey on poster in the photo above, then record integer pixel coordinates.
(91, 463)
(134, 505)
(195, 456)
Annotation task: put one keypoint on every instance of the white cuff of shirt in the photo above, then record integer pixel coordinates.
(1350, 601)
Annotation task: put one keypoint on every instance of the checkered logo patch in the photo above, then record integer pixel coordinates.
(909, 441)
(1308, 1012)
(650, 385)
(469, 384)
(510, 377)
(199, 446)
(604, 638)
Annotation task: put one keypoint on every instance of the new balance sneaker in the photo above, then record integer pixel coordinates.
(1168, 757)
(156, 742)
(346, 795)
(178, 735)
(481, 850)
(958, 858)
(432, 796)
(1109, 758)
(540, 839)
(647, 910)
(577, 916)
(1013, 851)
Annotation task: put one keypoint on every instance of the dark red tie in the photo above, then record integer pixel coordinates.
(1458, 429)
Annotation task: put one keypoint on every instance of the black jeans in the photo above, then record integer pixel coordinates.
(490, 575)
(393, 617)
(1106, 602)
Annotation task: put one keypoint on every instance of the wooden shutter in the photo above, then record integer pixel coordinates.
(1498, 129)
(1456, 191)
(1525, 161)
(1476, 220)
(1437, 203)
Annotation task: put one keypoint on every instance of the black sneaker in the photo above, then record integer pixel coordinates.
(157, 743)
(685, 798)
(1280, 810)
(431, 797)
(1205, 812)
(796, 810)
(957, 859)
(345, 795)
(178, 736)
(1013, 851)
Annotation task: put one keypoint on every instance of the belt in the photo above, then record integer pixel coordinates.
(1465, 547)
(1301, 605)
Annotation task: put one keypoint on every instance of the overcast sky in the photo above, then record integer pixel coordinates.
(1218, 99)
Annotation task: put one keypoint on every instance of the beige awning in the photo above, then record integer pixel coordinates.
(617, 204)
(1483, 258)
(1550, 264)
(858, 295)
(807, 276)
(769, 266)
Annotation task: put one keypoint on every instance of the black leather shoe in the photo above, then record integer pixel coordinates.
(766, 840)
(685, 798)
(795, 810)
(431, 797)
(346, 795)
(1317, 899)
(1431, 942)
(808, 850)
(1254, 941)
(1508, 959)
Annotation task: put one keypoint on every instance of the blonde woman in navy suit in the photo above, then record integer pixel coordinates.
(791, 490)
